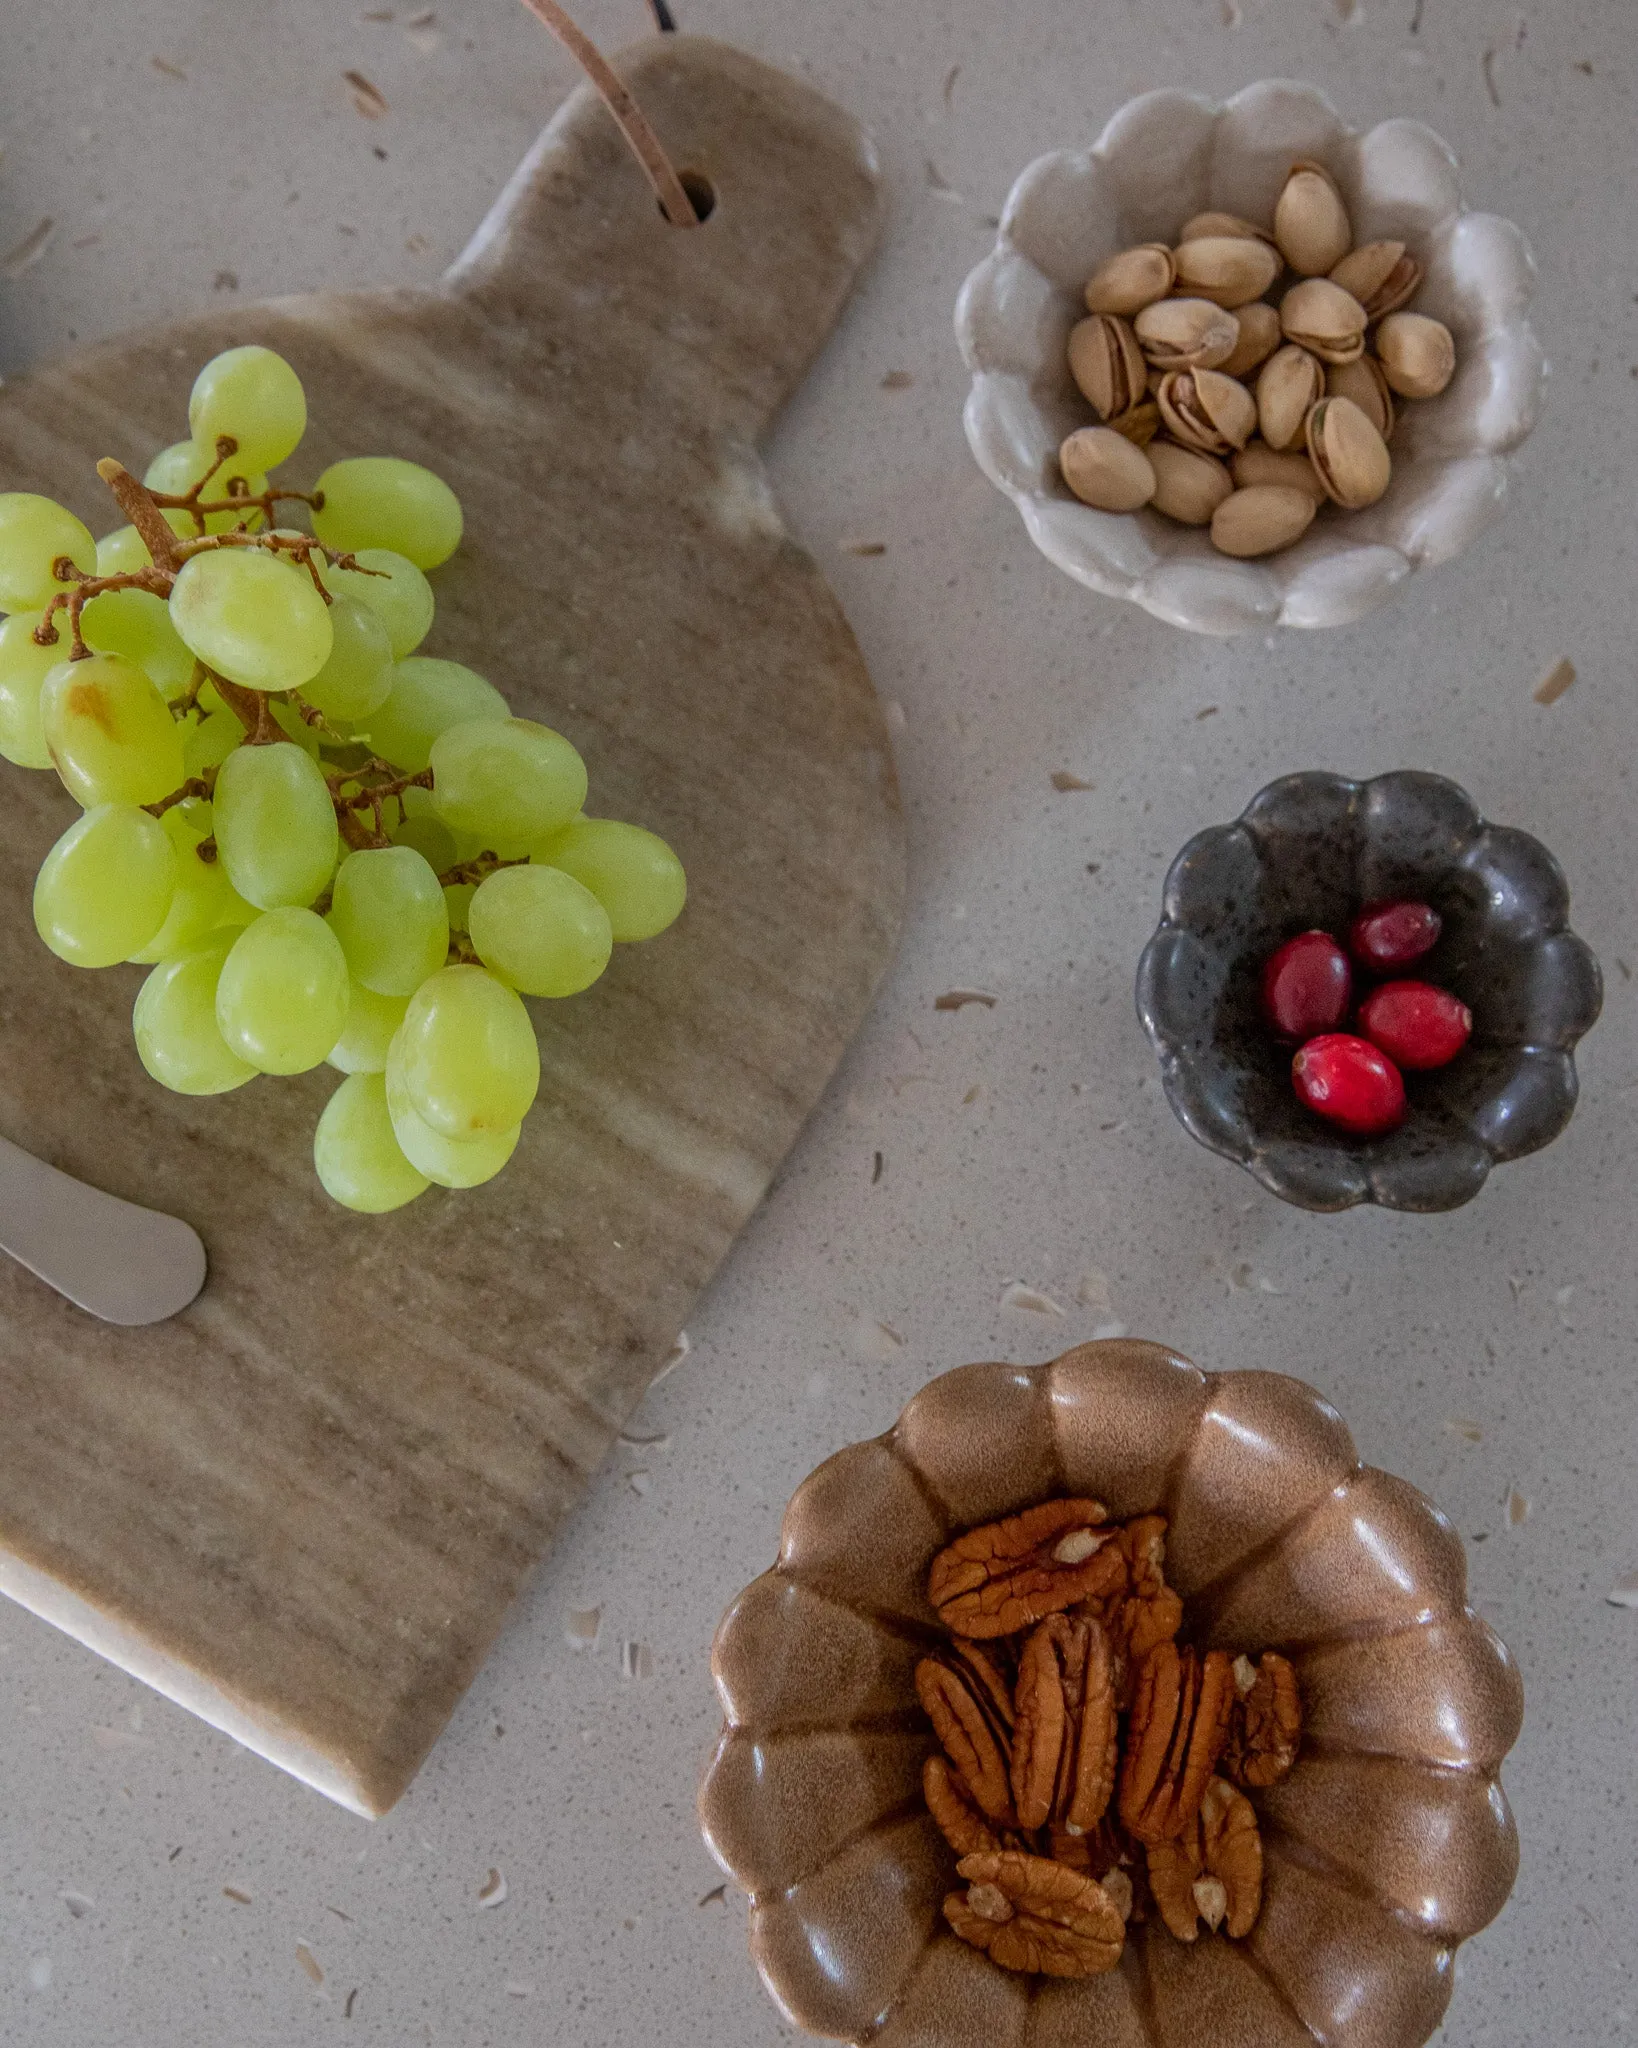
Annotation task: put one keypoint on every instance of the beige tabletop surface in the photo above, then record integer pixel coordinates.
(544, 1879)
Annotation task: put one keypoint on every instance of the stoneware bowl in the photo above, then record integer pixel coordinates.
(1307, 853)
(1172, 154)
(1389, 1843)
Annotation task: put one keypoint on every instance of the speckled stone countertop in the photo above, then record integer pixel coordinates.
(160, 1884)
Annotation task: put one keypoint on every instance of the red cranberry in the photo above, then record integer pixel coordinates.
(1348, 1080)
(1416, 1024)
(1388, 935)
(1306, 986)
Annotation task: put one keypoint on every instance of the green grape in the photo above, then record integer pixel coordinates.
(35, 533)
(430, 836)
(371, 1022)
(104, 888)
(209, 698)
(427, 698)
(458, 903)
(275, 825)
(282, 1001)
(451, 1162)
(394, 589)
(466, 1055)
(381, 501)
(204, 899)
(253, 395)
(540, 931)
(24, 666)
(388, 913)
(252, 618)
(358, 674)
(634, 875)
(175, 470)
(174, 1021)
(136, 624)
(294, 727)
(208, 743)
(122, 553)
(112, 737)
(356, 1155)
(510, 781)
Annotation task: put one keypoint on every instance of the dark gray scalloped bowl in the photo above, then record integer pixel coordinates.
(1307, 852)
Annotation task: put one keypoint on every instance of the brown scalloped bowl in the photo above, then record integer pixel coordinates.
(1389, 1843)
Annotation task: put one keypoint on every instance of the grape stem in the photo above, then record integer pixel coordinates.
(196, 785)
(138, 506)
(196, 505)
(475, 869)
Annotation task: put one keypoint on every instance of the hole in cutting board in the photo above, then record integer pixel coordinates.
(702, 194)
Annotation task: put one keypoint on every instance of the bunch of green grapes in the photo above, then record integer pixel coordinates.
(323, 845)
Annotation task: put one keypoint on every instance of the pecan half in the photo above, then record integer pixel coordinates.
(1214, 1870)
(1179, 1724)
(1233, 1853)
(1152, 1613)
(954, 1809)
(1027, 1913)
(1266, 1731)
(1008, 1575)
(1064, 1741)
(958, 1694)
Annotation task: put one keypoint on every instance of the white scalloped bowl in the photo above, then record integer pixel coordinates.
(1162, 158)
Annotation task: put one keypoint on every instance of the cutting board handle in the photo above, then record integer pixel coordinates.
(796, 198)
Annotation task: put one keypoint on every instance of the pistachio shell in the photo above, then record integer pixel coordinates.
(1259, 337)
(1311, 223)
(1187, 334)
(1325, 319)
(1365, 383)
(1189, 486)
(1261, 519)
(1127, 282)
(1204, 224)
(1229, 270)
(1257, 463)
(1380, 275)
(1107, 364)
(1349, 455)
(1140, 425)
(1204, 409)
(1104, 469)
(1292, 381)
(1418, 354)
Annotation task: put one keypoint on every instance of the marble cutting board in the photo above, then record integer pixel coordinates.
(302, 1507)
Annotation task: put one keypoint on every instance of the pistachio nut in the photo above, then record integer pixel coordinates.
(1140, 425)
(1380, 275)
(1365, 383)
(1260, 336)
(1201, 225)
(1418, 355)
(1107, 364)
(1311, 223)
(1189, 486)
(1349, 456)
(1204, 409)
(1257, 463)
(1104, 469)
(1291, 383)
(1227, 269)
(1130, 280)
(1187, 334)
(1325, 319)
(1261, 519)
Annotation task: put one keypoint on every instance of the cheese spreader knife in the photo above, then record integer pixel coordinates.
(110, 1257)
